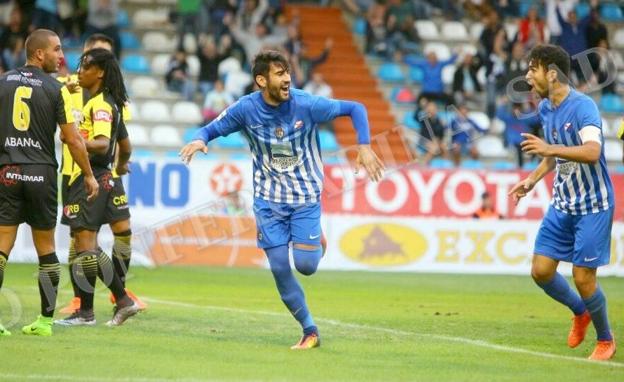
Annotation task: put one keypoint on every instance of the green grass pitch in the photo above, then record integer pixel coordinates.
(229, 325)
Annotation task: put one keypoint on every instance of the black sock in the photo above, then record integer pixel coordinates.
(49, 276)
(122, 251)
(85, 272)
(3, 260)
(109, 277)
(71, 260)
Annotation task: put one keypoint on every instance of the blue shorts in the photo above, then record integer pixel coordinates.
(583, 240)
(281, 223)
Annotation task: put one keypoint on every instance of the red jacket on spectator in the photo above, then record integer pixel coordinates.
(524, 31)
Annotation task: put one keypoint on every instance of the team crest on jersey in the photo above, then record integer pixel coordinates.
(102, 116)
(279, 133)
(298, 124)
(554, 135)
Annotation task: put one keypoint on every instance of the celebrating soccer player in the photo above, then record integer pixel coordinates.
(577, 226)
(280, 124)
(101, 76)
(120, 216)
(31, 104)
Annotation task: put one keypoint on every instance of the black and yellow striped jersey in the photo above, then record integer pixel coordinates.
(620, 133)
(32, 103)
(100, 117)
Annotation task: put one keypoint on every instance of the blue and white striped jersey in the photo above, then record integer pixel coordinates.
(579, 188)
(284, 142)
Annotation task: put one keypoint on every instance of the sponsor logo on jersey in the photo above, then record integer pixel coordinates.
(298, 124)
(71, 210)
(102, 116)
(24, 178)
(120, 200)
(21, 142)
(279, 133)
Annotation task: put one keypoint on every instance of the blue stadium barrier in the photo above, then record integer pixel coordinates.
(503, 165)
(234, 141)
(441, 164)
(135, 63)
(471, 164)
(359, 26)
(123, 20)
(391, 72)
(328, 141)
(129, 40)
(416, 74)
(611, 103)
(611, 12)
(72, 59)
(142, 153)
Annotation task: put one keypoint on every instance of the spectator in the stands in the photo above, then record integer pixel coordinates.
(6, 6)
(495, 71)
(464, 131)
(251, 13)
(217, 100)
(188, 19)
(178, 77)
(491, 29)
(531, 29)
(487, 210)
(102, 18)
(573, 39)
(318, 86)
(518, 119)
(401, 34)
(376, 32)
(254, 42)
(465, 83)
(604, 74)
(596, 30)
(45, 15)
(12, 40)
(432, 85)
(432, 131)
(515, 70)
(209, 59)
(552, 21)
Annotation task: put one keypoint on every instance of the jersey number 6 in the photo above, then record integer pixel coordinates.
(21, 111)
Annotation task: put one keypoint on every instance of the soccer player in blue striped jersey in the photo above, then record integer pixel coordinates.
(577, 226)
(280, 125)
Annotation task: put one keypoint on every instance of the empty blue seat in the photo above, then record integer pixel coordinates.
(410, 122)
(123, 20)
(234, 141)
(328, 141)
(416, 74)
(412, 59)
(611, 12)
(129, 40)
(72, 60)
(359, 26)
(391, 72)
(135, 63)
(582, 10)
(611, 103)
(440, 163)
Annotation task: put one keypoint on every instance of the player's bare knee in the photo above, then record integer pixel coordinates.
(585, 279)
(541, 274)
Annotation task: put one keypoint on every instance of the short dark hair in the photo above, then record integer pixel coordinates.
(551, 57)
(91, 40)
(263, 60)
(38, 39)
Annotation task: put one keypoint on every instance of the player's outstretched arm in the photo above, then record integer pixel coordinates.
(78, 151)
(187, 152)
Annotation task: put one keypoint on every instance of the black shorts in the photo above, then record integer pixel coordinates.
(111, 204)
(28, 194)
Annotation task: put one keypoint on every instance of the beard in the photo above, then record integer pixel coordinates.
(276, 93)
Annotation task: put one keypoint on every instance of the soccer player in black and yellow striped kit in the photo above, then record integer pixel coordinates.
(32, 103)
(120, 222)
(100, 75)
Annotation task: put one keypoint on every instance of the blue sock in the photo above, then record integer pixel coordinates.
(597, 306)
(287, 285)
(559, 289)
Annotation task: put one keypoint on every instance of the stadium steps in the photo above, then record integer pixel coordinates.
(350, 78)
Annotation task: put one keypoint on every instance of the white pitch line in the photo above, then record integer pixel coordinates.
(397, 332)
(20, 377)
